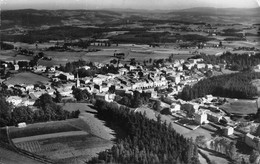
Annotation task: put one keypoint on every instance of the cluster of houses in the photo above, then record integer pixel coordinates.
(127, 79)
(130, 78)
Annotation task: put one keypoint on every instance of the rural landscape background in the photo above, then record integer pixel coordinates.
(122, 82)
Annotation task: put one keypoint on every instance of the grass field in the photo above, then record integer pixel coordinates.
(242, 107)
(45, 128)
(217, 158)
(11, 157)
(27, 78)
(82, 107)
(68, 141)
(95, 126)
(67, 147)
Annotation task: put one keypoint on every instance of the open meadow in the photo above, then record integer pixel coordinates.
(241, 107)
(27, 78)
(68, 141)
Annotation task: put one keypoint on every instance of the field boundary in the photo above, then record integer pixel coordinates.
(47, 136)
(26, 153)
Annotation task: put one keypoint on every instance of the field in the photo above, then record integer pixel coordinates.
(69, 148)
(242, 107)
(139, 52)
(217, 158)
(68, 141)
(11, 157)
(11, 55)
(82, 107)
(26, 78)
(44, 128)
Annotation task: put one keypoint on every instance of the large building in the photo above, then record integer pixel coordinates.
(201, 117)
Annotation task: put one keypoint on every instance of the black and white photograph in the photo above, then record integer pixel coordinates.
(129, 81)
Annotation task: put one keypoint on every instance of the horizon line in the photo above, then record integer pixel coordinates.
(135, 9)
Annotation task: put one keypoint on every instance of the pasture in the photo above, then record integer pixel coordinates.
(26, 78)
(8, 156)
(77, 147)
(68, 141)
(139, 52)
(241, 107)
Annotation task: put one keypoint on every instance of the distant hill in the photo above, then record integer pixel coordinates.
(30, 18)
(220, 11)
(35, 18)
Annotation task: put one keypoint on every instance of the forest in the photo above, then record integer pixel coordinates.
(48, 111)
(236, 85)
(236, 62)
(146, 141)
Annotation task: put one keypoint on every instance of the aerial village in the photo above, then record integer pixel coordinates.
(162, 84)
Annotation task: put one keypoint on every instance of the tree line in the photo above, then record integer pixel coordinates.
(48, 110)
(146, 141)
(236, 62)
(236, 85)
(135, 100)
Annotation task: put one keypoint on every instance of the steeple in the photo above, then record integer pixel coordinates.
(77, 81)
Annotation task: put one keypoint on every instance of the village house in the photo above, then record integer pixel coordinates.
(214, 117)
(174, 107)
(252, 141)
(85, 67)
(16, 67)
(123, 71)
(28, 102)
(228, 130)
(67, 76)
(105, 96)
(15, 100)
(29, 87)
(101, 88)
(201, 117)
(39, 68)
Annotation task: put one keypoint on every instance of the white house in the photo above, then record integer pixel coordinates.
(22, 125)
(67, 76)
(201, 117)
(16, 67)
(228, 130)
(106, 97)
(40, 68)
(175, 107)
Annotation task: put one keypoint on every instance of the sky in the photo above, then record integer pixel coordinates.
(133, 4)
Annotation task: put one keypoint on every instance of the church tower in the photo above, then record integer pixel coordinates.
(77, 81)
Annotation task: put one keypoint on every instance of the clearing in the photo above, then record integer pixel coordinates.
(242, 107)
(26, 78)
